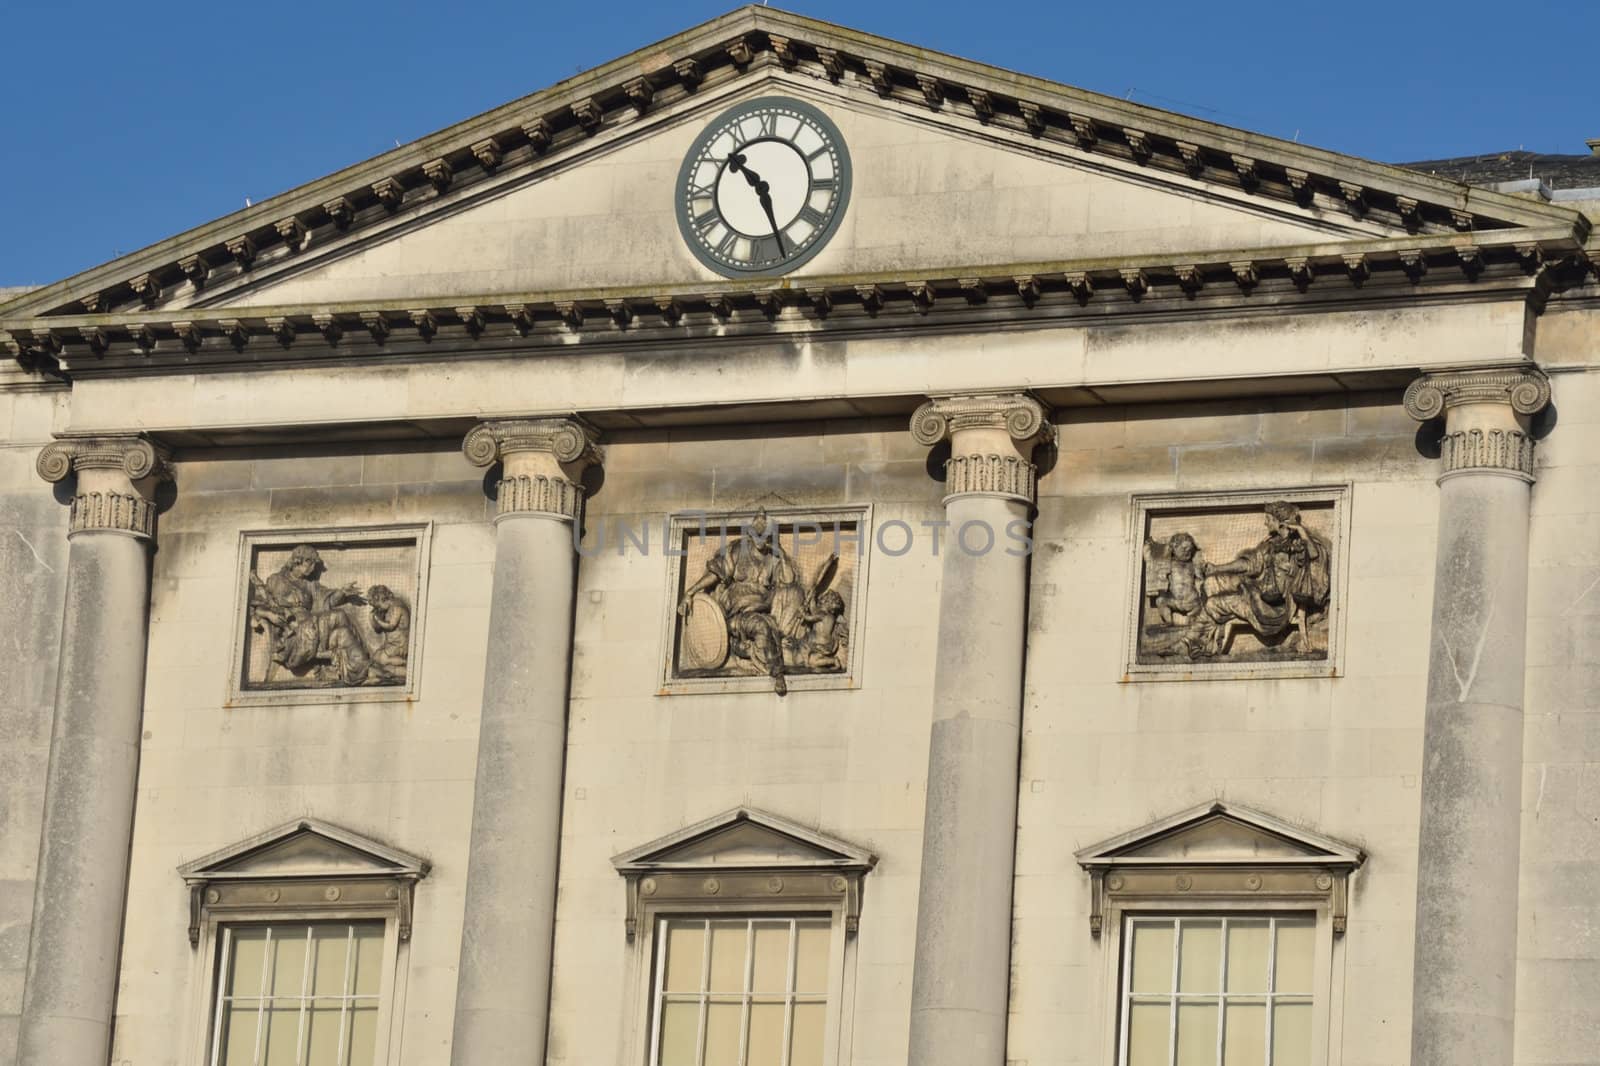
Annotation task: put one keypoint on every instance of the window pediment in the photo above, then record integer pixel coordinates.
(1220, 852)
(302, 865)
(745, 855)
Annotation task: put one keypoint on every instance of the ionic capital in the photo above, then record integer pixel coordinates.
(1524, 389)
(543, 457)
(1486, 417)
(567, 440)
(116, 480)
(992, 437)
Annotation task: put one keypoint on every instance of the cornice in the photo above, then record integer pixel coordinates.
(1501, 264)
(564, 118)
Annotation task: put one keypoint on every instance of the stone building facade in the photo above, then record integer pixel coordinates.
(792, 548)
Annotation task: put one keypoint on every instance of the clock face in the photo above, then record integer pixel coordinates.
(763, 188)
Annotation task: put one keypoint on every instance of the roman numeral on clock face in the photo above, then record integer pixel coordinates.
(813, 216)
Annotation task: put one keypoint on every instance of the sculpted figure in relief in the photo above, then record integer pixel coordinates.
(1276, 590)
(752, 612)
(391, 620)
(314, 635)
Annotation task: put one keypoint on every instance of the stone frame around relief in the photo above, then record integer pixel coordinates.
(1335, 499)
(684, 523)
(244, 693)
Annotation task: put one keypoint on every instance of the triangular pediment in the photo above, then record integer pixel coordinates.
(745, 839)
(304, 848)
(564, 197)
(1219, 834)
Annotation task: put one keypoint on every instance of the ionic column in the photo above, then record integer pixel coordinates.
(961, 978)
(503, 994)
(94, 749)
(1464, 977)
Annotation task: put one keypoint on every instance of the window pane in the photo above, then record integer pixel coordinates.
(1297, 949)
(766, 1034)
(680, 1034)
(727, 956)
(1152, 957)
(1291, 1034)
(363, 1035)
(329, 943)
(368, 958)
(288, 960)
(283, 1030)
(1148, 1033)
(810, 1021)
(239, 1034)
(1197, 1033)
(1248, 942)
(722, 1032)
(322, 1024)
(249, 948)
(772, 957)
(1244, 1034)
(811, 958)
(1199, 956)
(685, 947)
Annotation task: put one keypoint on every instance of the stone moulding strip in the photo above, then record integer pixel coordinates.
(733, 47)
(1387, 266)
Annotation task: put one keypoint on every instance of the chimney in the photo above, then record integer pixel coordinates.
(1594, 145)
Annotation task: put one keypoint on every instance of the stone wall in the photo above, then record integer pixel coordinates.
(33, 553)
(210, 775)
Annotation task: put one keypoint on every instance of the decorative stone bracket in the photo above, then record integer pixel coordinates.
(544, 458)
(116, 480)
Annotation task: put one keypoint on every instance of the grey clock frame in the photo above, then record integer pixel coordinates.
(680, 207)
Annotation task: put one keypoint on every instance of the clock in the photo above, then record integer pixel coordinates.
(763, 187)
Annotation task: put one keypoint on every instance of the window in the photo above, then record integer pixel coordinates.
(303, 994)
(741, 992)
(743, 932)
(302, 935)
(1224, 934)
(1218, 991)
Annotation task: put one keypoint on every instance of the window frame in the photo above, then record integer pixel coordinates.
(836, 962)
(208, 971)
(1322, 972)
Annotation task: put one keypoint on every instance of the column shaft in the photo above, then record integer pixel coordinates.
(507, 940)
(1464, 975)
(963, 953)
(90, 786)
(961, 979)
(502, 1000)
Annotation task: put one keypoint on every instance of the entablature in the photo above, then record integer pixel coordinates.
(1528, 264)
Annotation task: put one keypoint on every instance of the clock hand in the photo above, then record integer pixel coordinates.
(736, 163)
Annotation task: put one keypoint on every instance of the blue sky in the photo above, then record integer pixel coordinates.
(124, 124)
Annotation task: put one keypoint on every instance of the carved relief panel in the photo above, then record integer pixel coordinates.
(765, 600)
(1245, 584)
(329, 616)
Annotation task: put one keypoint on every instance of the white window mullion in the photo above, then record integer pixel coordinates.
(347, 988)
(1222, 990)
(747, 1001)
(705, 996)
(305, 982)
(788, 993)
(660, 999)
(268, 972)
(1272, 980)
(1172, 1003)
